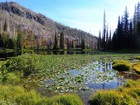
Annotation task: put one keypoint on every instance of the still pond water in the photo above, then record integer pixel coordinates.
(95, 76)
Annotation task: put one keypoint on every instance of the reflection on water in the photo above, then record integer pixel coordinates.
(100, 76)
(95, 76)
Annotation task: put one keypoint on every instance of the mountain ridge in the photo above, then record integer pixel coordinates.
(29, 22)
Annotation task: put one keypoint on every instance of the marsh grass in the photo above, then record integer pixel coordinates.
(17, 95)
(129, 94)
(29, 70)
(136, 67)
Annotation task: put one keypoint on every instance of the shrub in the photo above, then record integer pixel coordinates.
(17, 95)
(65, 99)
(27, 64)
(105, 98)
(111, 97)
(12, 78)
(122, 66)
(30, 98)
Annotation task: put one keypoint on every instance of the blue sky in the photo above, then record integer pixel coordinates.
(86, 15)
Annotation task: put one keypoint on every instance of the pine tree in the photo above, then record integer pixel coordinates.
(99, 41)
(19, 42)
(82, 43)
(104, 32)
(55, 42)
(62, 41)
(5, 26)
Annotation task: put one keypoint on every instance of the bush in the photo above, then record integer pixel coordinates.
(30, 98)
(111, 97)
(122, 66)
(17, 95)
(12, 78)
(105, 98)
(65, 99)
(27, 64)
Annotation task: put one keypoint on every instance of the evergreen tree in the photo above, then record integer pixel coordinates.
(62, 44)
(55, 42)
(19, 41)
(5, 26)
(110, 42)
(115, 42)
(1, 41)
(68, 44)
(11, 43)
(82, 43)
(104, 32)
(99, 41)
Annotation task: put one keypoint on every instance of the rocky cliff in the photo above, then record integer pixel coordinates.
(36, 25)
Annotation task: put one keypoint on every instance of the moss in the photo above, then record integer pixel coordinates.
(120, 61)
(122, 66)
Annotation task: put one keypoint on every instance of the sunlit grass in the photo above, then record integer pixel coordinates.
(17, 95)
(129, 94)
(136, 68)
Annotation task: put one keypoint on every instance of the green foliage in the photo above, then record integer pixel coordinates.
(13, 95)
(111, 97)
(66, 99)
(83, 44)
(12, 78)
(130, 83)
(26, 64)
(19, 41)
(105, 98)
(62, 41)
(129, 94)
(55, 42)
(28, 98)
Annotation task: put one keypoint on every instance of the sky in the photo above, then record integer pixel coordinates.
(86, 15)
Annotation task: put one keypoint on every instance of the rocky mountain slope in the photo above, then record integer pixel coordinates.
(37, 26)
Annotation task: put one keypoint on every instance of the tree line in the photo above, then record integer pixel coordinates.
(29, 41)
(126, 35)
